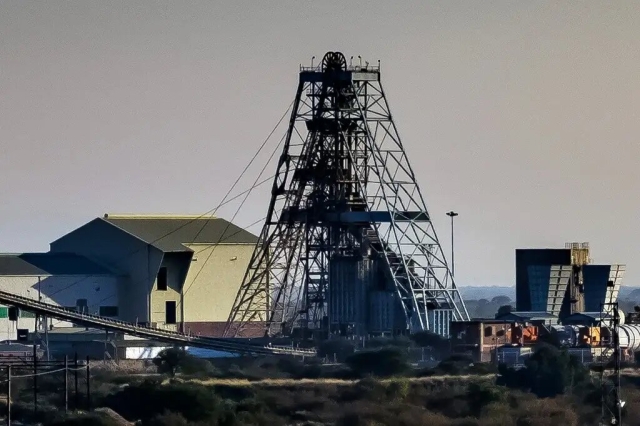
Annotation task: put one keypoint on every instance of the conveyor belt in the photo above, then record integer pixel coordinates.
(157, 334)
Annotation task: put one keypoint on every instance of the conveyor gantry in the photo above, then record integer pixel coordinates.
(157, 334)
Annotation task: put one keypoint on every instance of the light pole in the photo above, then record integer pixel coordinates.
(452, 214)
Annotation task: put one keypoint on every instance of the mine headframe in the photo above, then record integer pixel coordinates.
(348, 239)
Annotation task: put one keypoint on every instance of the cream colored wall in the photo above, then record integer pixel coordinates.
(172, 293)
(210, 296)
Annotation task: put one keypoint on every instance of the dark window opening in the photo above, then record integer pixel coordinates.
(488, 331)
(162, 279)
(170, 312)
(108, 311)
(14, 313)
(82, 306)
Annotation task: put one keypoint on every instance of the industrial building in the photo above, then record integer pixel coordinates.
(560, 295)
(563, 282)
(175, 272)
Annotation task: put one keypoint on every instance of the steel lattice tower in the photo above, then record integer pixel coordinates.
(347, 224)
(610, 362)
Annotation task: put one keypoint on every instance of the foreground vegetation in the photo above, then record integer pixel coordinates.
(375, 387)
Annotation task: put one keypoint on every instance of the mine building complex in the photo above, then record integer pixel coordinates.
(560, 296)
(175, 272)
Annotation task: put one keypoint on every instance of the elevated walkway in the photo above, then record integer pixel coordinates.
(157, 334)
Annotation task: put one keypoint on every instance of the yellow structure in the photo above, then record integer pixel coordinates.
(579, 258)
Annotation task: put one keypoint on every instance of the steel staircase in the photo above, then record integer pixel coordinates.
(157, 334)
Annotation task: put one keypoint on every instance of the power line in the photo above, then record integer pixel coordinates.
(235, 214)
(210, 212)
(157, 239)
(247, 167)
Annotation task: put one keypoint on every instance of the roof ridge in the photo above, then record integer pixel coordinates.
(158, 216)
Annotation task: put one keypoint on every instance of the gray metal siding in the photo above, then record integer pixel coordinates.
(137, 261)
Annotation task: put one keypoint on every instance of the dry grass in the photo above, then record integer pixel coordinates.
(328, 381)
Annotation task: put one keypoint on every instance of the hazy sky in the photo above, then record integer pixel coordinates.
(522, 116)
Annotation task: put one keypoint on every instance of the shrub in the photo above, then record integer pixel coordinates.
(168, 360)
(454, 365)
(383, 362)
(167, 419)
(193, 402)
(89, 419)
(482, 394)
(173, 360)
(547, 373)
(401, 342)
(338, 348)
(398, 389)
(191, 365)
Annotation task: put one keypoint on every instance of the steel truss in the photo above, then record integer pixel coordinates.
(343, 187)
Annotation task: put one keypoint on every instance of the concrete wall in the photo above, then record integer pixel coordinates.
(62, 290)
(139, 262)
(210, 296)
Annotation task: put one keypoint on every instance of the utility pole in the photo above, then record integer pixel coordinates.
(88, 386)
(66, 383)
(8, 395)
(35, 378)
(452, 214)
(75, 379)
(612, 402)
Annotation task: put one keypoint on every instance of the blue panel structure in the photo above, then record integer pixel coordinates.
(532, 276)
(595, 286)
(539, 286)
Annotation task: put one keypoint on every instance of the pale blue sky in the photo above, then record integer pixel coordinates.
(521, 116)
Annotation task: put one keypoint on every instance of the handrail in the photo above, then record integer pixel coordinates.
(144, 331)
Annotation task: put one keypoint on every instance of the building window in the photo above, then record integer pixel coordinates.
(82, 306)
(488, 331)
(108, 311)
(14, 313)
(27, 314)
(162, 279)
(170, 312)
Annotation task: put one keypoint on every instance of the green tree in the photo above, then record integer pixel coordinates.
(168, 419)
(504, 310)
(548, 372)
(501, 300)
(339, 349)
(168, 360)
(382, 362)
(144, 401)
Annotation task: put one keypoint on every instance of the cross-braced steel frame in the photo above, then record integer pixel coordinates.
(343, 184)
(610, 361)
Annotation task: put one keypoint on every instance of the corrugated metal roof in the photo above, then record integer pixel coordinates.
(170, 233)
(31, 264)
(531, 315)
(591, 315)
